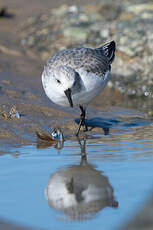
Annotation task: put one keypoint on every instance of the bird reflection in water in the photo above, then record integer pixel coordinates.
(80, 191)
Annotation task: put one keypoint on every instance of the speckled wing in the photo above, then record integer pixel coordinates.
(91, 60)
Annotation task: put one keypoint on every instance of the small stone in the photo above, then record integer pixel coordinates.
(138, 8)
(150, 113)
(4, 13)
(104, 33)
(61, 10)
(109, 11)
(78, 34)
(73, 9)
(127, 50)
(110, 84)
(147, 15)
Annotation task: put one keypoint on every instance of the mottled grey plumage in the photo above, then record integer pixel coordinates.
(92, 60)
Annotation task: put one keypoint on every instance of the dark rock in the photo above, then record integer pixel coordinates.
(5, 14)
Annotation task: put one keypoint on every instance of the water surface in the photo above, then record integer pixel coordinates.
(99, 181)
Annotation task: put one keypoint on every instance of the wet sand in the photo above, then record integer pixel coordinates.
(20, 85)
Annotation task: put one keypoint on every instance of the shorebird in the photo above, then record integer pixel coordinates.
(74, 77)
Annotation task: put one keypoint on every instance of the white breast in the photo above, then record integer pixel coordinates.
(92, 85)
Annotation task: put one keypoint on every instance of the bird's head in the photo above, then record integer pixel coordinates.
(65, 81)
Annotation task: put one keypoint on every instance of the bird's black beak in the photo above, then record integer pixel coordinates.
(68, 94)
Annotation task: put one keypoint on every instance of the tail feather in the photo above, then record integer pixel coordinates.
(108, 50)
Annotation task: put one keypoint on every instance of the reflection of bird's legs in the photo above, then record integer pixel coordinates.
(82, 120)
(106, 131)
(83, 150)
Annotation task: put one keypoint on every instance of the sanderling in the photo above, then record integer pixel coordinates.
(74, 77)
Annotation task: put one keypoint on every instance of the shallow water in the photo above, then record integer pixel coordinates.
(99, 181)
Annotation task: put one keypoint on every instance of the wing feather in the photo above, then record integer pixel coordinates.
(88, 59)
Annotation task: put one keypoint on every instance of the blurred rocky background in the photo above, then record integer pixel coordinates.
(128, 23)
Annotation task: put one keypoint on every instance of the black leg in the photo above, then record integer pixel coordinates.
(82, 120)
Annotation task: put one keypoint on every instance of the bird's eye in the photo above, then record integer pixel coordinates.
(58, 81)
